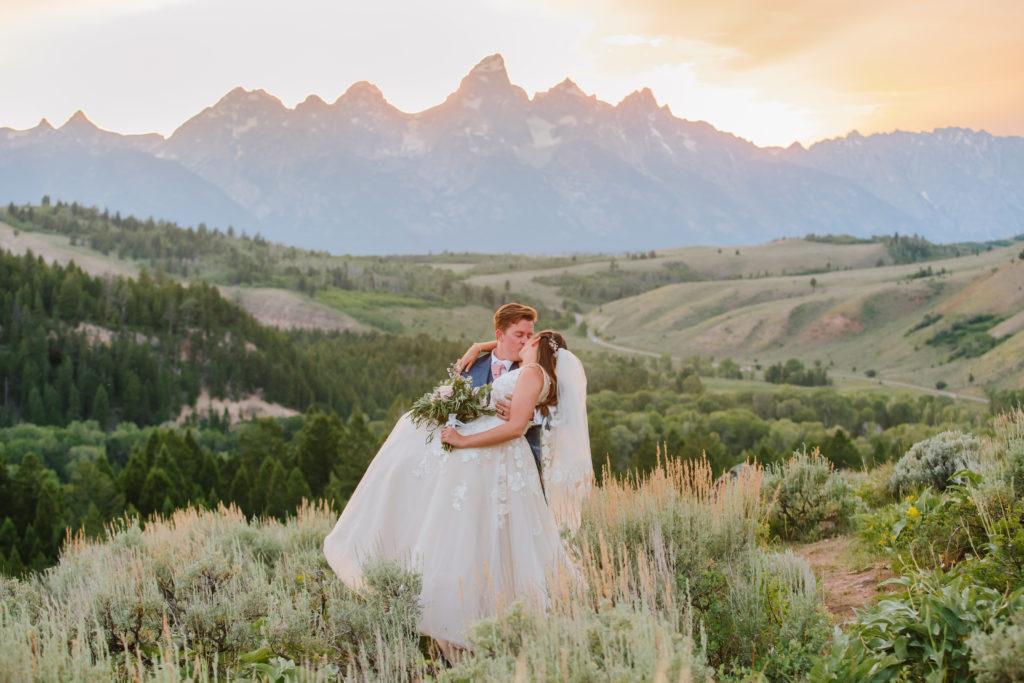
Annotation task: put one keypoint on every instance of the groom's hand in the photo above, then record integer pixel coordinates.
(503, 408)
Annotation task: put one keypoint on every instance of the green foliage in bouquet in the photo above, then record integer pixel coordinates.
(455, 397)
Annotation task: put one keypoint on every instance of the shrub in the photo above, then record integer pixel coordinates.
(927, 530)
(687, 536)
(614, 643)
(934, 461)
(205, 594)
(808, 498)
(917, 634)
(998, 657)
(1009, 431)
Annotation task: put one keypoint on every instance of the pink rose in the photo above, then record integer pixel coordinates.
(444, 391)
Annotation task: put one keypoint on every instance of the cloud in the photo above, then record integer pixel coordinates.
(871, 63)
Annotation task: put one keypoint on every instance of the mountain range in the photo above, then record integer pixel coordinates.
(491, 169)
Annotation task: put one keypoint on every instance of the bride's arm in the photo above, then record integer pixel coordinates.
(472, 353)
(528, 388)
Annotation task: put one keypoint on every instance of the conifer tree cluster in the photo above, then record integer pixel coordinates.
(266, 467)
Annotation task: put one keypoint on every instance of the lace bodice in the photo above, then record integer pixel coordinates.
(504, 386)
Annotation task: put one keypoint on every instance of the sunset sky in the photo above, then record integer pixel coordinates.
(769, 71)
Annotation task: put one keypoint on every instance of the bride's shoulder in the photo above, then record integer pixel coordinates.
(535, 368)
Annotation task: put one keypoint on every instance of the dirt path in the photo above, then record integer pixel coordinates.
(848, 581)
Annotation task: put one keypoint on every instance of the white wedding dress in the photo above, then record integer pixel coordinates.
(472, 521)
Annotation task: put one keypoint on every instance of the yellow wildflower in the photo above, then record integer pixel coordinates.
(893, 537)
(912, 511)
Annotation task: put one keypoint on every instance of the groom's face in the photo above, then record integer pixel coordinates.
(512, 339)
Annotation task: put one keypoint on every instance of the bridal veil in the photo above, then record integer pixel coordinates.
(568, 469)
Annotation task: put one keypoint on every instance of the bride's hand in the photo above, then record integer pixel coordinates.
(468, 358)
(450, 436)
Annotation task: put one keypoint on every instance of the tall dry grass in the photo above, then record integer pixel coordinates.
(671, 580)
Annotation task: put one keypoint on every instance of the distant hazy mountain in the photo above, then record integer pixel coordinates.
(490, 169)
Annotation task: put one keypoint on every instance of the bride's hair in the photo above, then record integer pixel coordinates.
(550, 342)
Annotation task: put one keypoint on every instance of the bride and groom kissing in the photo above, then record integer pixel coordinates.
(481, 522)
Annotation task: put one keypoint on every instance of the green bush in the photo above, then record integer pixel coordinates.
(998, 657)
(934, 462)
(929, 530)
(690, 547)
(808, 499)
(204, 595)
(918, 634)
(613, 644)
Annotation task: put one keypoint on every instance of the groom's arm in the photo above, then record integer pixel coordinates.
(472, 353)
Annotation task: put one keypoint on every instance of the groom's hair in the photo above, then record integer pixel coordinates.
(511, 313)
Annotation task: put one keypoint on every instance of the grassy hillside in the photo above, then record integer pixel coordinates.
(857, 319)
(857, 306)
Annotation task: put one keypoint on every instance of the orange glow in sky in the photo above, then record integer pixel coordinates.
(772, 72)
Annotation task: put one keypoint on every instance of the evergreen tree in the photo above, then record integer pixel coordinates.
(277, 495)
(36, 410)
(296, 490)
(8, 536)
(48, 521)
(156, 488)
(240, 487)
(318, 448)
(133, 476)
(101, 407)
(14, 566)
(263, 489)
(27, 482)
(358, 446)
(6, 487)
(92, 523)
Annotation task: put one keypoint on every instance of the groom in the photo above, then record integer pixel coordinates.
(513, 327)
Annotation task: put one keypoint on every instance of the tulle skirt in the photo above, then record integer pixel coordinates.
(472, 521)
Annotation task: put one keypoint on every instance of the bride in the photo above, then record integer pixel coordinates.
(474, 521)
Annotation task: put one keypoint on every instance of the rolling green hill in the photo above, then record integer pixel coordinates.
(853, 305)
(867, 318)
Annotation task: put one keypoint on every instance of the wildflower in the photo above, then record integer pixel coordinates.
(870, 527)
(912, 511)
(910, 498)
(893, 537)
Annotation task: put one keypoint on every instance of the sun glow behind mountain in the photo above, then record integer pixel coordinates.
(774, 73)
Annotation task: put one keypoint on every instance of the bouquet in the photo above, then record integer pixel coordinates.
(452, 403)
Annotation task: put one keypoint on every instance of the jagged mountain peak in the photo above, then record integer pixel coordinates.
(489, 80)
(248, 100)
(78, 120)
(361, 92)
(493, 64)
(43, 125)
(640, 99)
(568, 87)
